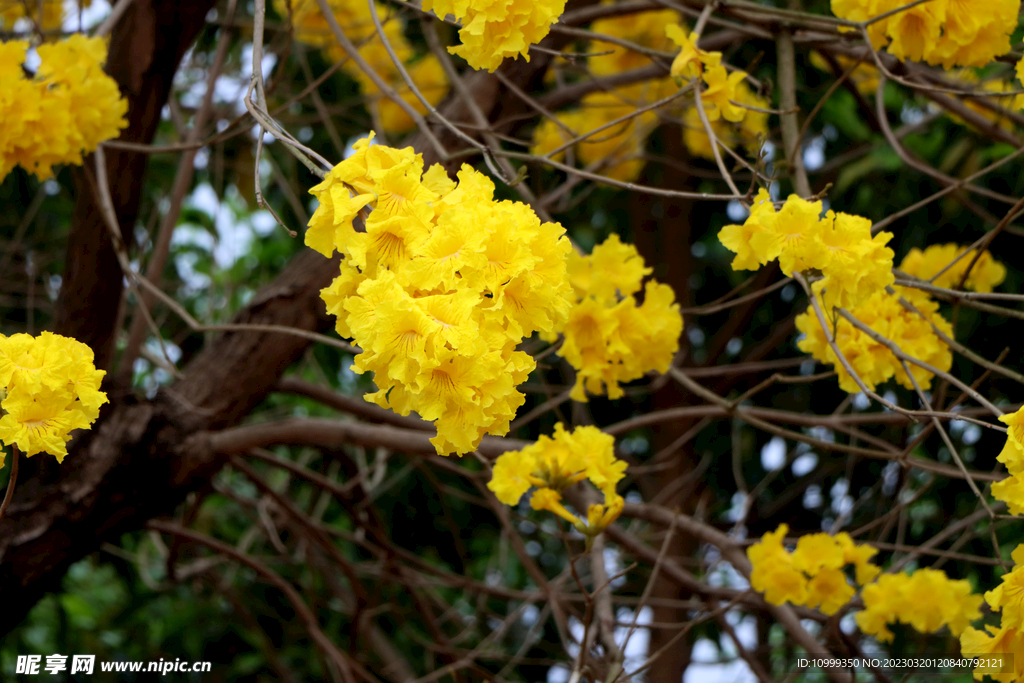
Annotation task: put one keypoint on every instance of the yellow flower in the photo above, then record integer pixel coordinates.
(1009, 595)
(1012, 454)
(769, 549)
(926, 599)
(513, 475)
(439, 290)
(613, 269)
(432, 82)
(24, 364)
(455, 245)
(794, 236)
(815, 552)
(614, 150)
(813, 574)
(52, 388)
(690, 61)
(1011, 492)
(973, 38)
(864, 75)
(492, 31)
(872, 360)
(858, 556)
(720, 94)
(985, 276)
(51, 18)
(739, 238)
(353, 16)
(914, 31)
(780, 583)
(40, 422)
(504, 255)
(450, 382)
(830, 590)
(946, 32)
(772, 570)
(998, 641)
(83, 379)
(646, 29)
(331, 223)
(855, 264)
(457, 327)
(610, 340)
(552, 464)
(403, 331)
(551, 500)
(344, 286)
(64, 112)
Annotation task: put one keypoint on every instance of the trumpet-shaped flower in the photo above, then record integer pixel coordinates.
(1008, 596)
(946, 32)
(552, 464)
(608, 338)
(872, 360)
(720, 95)
(813, 574)
(993, 647)
(926, 599)
(794, 236)
(51, 388)
(492, 31)
(691, 60)
(740, 238)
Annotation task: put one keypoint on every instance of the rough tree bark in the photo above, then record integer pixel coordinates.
(146, 48)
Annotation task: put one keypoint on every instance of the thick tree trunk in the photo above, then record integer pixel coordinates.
(146, 48)
(662, 232)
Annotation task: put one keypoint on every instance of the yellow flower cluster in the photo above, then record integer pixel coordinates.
(439, 289)
(873, 362)
(64, 112)
(1011, 489)
(616, 151)
(812, 575)
(354, 18)
(997, 90)
(553, 465)
(926, 599)
(492, 31)
(855, 265)
(646, 29)
(1008, 638)
(50, 18)
(986, 275)
(946, 32)
(883, 312)
(51, 387)
(732, 108)
(609, 339)
(864, 75)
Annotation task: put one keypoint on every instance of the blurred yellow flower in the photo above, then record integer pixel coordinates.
(986, 274)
